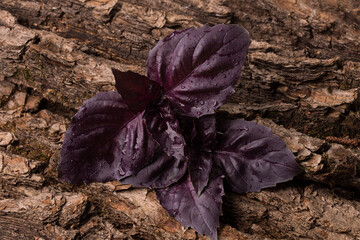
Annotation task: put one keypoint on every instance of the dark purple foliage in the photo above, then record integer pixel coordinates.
(199, 169)
(203, 134)
(252, 157)
(105, 142)
(163, 172)
(159, 131)
(199, 212)
(165, 128)
(206, 129)
(137, 91)
(198, 68)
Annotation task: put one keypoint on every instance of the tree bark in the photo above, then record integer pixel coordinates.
(302, 80)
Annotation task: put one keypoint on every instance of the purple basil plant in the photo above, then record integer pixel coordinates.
(159, 130)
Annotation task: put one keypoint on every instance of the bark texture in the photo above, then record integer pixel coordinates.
(302, 80)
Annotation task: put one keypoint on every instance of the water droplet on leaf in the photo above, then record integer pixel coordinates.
(121, 171)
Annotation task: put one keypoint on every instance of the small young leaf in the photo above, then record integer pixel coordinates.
(164, 127)
(199, 132)
(137, 91)
(199, 169)
(198, 67)
(202, 141)
(198, 212)
(252, 157)
(106, 141)
(206, 128)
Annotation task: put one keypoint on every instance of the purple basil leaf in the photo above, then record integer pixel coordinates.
(164, 127)
(164, 171)
(252, 157)
(189, 130)
(199, 168)
(198, 67)
(201, 136)
(136, 90)
(106, 141)
(206, 126)
(199, 132)
(170, 164)
(198, 212)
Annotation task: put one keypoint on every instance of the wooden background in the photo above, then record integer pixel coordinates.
(302, 80)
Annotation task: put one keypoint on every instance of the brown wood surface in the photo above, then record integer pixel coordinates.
(302, 80)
